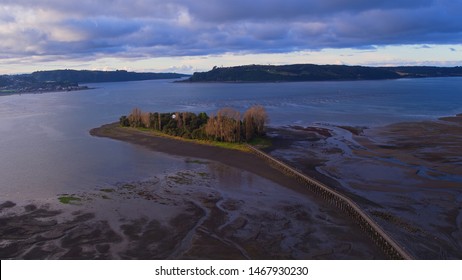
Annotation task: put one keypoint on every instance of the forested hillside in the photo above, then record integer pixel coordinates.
(312, 72)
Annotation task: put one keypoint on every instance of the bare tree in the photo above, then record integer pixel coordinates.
(261, 118)
(211, 127)
(135, 117)
(145, 119)
(184, 116)
(231, 124)
(160, 122)
(254, 121)
(225, 126)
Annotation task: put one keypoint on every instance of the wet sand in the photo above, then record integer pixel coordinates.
(210, 210)
(234, 158)
(406, 175)
(424, 160)
(184, 215)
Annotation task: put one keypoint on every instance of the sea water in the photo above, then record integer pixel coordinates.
(45, 147)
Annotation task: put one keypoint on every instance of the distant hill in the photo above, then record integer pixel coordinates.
(313, 72)
(86, 76)
(425, 71)
(67, 80)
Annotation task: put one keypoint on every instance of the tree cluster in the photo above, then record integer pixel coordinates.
(186, 124)
(227, 125)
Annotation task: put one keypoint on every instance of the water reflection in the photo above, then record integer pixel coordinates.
(45, 147)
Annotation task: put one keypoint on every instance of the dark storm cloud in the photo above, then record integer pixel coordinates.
(289, 9)
(156, 28)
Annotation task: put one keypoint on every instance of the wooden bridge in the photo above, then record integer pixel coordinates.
(391, 248)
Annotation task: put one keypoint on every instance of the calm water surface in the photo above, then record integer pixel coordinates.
(45, 148)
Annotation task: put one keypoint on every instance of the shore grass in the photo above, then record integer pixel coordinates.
(226, 145)
(66, 199)
(261, 142)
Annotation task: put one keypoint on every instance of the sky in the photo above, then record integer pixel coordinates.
(191, 35)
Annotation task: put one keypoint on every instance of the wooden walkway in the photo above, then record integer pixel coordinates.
(391, 248)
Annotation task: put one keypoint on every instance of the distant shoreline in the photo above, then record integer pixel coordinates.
(71, 80)
(186, 81)
(6, 93)
(316, 73)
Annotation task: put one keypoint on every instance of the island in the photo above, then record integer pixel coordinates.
(226, 128)
(221, 137)
(313, 72)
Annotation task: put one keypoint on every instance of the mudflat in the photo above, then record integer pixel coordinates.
(235, 158)
(213, 209)
(407, 176)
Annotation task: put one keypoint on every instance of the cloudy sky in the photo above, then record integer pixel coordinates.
(195, 35)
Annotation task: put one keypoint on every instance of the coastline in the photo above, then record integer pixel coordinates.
(79, 88)
(234, 158)
(209, 210)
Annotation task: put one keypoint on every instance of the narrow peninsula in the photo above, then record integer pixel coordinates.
(218, 137)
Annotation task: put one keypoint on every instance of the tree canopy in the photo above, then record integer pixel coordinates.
(226, 125)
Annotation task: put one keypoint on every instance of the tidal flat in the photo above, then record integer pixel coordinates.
(184, 215)
(407, 176)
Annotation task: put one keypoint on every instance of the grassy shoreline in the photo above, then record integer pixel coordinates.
(226, 145)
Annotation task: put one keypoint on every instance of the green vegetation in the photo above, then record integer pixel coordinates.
(228, 145)
(67, 199)
(261, 142)
(227, 128)
(86, 76)
(312, 72)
